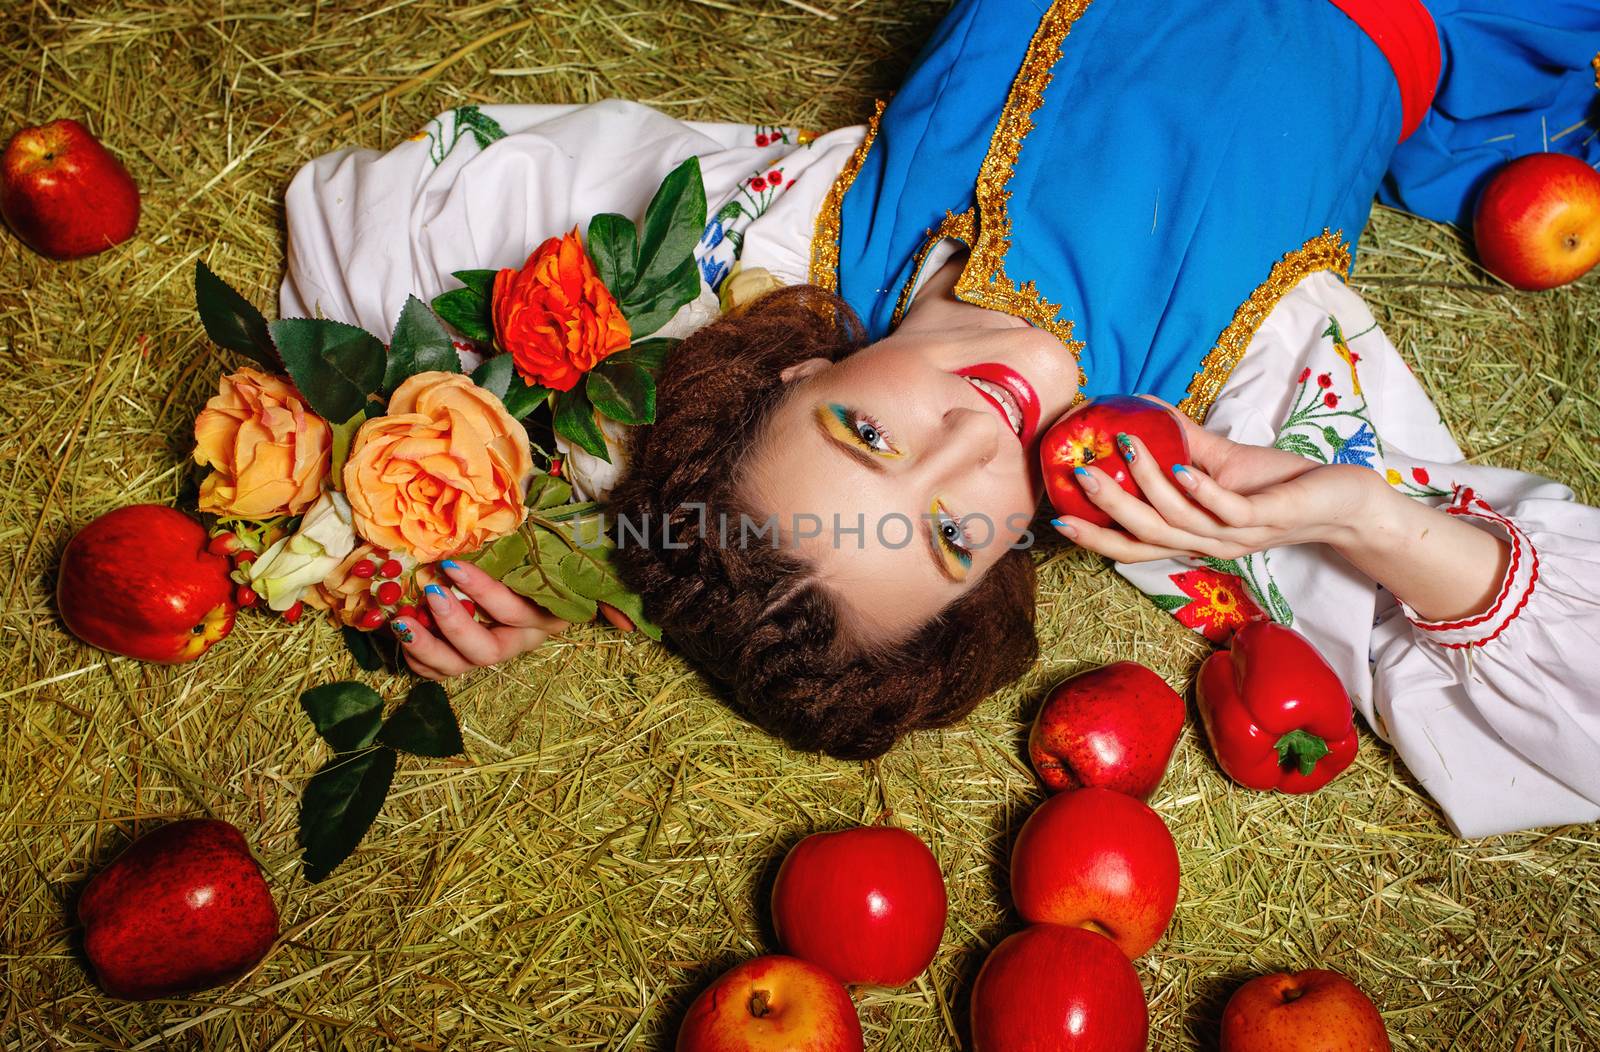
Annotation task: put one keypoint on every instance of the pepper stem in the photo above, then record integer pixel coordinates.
(1301, 749)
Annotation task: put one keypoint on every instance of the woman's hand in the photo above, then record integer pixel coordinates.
(1233, 500)
(464, 643)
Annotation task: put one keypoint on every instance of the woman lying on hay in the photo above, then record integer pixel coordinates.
(1108, 197)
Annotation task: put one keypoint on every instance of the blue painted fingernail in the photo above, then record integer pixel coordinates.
(402, 630)
(1057, 522)
(435, 595)
(1081, 472)
(1125, 445)
(1181, 473)
(450, 564)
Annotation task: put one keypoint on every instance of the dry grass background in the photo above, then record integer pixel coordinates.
(607, 843)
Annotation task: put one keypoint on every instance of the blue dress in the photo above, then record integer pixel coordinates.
(1146, 180)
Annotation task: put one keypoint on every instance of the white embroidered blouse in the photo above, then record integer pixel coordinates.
(1497, 715)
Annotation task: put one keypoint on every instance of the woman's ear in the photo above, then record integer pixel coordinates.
(801, 370)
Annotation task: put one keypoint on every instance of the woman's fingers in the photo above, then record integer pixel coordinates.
(471, 639)
(426, 653)
(1113, 544)
(617, 618)
(499, 602)
(1160, 485)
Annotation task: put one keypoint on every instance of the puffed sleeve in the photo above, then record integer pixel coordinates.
(1498, 714)
(481, 187)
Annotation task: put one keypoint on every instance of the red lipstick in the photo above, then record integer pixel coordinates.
(1008, 378)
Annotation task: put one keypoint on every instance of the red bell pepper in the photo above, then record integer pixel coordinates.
(1275, 711)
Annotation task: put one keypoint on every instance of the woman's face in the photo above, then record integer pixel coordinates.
(930, 445)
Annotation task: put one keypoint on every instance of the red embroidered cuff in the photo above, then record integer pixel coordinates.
(1522, 573)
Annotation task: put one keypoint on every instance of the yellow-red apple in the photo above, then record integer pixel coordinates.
(1315, 1010)
(1537, 223)
(772, 1004)
(65, 194)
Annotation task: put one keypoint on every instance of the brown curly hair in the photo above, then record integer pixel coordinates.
(756, 619)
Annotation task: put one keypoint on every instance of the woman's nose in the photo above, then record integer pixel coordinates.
(967, 440)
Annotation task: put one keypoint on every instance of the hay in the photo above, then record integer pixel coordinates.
(606, 846)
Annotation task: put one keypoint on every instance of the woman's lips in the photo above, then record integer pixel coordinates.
(1021, 391)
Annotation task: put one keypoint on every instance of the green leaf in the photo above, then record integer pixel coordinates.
(346, 714)
(1332, 437)
(419, 345)
(522, 398)
(468, 312)
(623, 391)
(479, 281)
(501, 557)
(613, 245)
(338, 807)
(553, 595)
(495, 375)
(424, 724)
(335, 366)
(1169, 603)
(343, 435)
(547, 491)
(1300, 445)
(1227, 566)
(574, 421)
(589, 571)
(650, 309)
(648, 355)
(362, 648)
(673, 223)
(1300, 750)
(231, 320)
(1279, 606)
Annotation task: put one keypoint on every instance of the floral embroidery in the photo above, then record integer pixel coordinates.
(466, 121)
(1309, 430)
(722, 241)
(1419, 485)
(1213, 603)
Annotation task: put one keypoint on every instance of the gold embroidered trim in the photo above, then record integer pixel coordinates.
(1595, 62)
(983, 281)
(1326, 251)
(960, 227)
(825, 236)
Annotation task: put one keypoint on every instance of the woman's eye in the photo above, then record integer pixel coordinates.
(863, 429)
(952, 536)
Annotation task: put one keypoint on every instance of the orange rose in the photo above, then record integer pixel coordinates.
(555, 316)
(271, 454)
(442, 473)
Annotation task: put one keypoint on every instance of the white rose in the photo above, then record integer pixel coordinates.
(591, 477)
(284, 571)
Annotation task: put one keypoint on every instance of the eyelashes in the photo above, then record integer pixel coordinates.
(953, 539)
(859, 428)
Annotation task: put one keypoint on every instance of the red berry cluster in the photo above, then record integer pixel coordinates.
(228, 545)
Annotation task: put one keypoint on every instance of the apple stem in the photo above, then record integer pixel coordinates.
(758, 1004)
(1294, 993)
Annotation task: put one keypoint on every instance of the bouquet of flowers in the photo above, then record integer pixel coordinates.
(339, 471)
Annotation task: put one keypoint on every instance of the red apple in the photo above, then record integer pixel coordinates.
(1088, 435)
(1097, 859)
(183, 908)
(1537, 223)
(1054, 989)
(139, 581)
(1112, 727)
(64, 194)
(1311, 1011)
(867, 904)
(772, 1004)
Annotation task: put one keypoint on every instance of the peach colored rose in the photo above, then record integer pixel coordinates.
(555, 317)
(270, 453)
(442, 473)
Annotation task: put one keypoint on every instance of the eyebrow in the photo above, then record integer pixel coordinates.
(873, 463)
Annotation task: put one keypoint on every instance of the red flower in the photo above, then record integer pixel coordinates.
(1221, 603)
(1330, 399)
(763, 139)
(1420, 474)
(775, 177)
(758, 184)
(1354, 357)
(1305, 374)
(1325, 380)
(555, 317)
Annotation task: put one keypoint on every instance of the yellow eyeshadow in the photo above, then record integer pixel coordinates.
(957, 560)
(839, 421)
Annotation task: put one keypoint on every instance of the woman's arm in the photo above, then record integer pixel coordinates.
(1236, 499)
